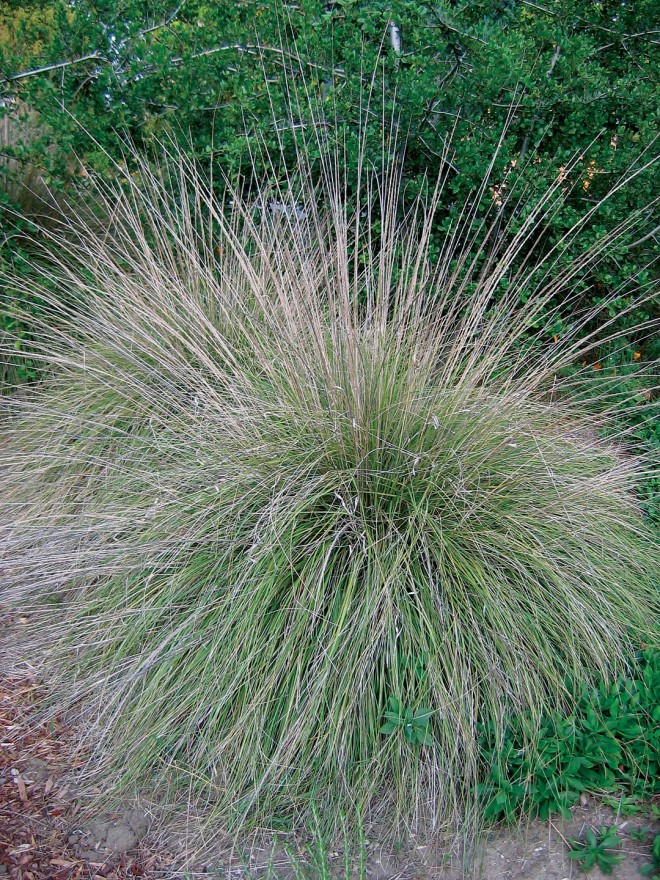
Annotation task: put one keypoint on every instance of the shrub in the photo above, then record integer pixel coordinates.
(560, 73)
(30, 201)
(296, 510)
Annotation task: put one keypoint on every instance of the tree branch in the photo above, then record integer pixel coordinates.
(537, 6)
(553, 61)
(248, 48)
(652, 234)
(59, 65)
(255, 49)
(630, 37)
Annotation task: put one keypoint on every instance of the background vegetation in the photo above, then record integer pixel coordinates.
(560, 74)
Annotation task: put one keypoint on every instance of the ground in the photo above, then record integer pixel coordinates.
(48, 832)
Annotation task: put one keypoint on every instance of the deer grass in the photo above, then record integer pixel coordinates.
(286, 473)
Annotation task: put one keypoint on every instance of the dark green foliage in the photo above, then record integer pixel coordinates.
(413, 724)
(597, 849)
(610, 744)
(216, 75)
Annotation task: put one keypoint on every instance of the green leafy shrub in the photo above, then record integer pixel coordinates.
(562, 74)
(286, 478)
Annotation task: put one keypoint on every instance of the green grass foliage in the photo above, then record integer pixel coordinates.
(298, 512)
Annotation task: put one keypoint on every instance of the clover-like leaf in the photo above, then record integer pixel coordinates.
(395, 705)
(422, 717)
(423, 737)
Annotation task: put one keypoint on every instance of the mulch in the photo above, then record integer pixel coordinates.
(39, 816)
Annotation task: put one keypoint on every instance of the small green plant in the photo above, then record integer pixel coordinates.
(639, 834)
(597, 849)
(625, 805)
(312, 860)
(652, 868)
(503, 799)
(413, 725)
(610, 743)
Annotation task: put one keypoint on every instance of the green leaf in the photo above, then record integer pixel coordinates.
(424, 737)
(564, 812)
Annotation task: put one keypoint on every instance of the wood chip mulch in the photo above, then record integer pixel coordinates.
(38, 814)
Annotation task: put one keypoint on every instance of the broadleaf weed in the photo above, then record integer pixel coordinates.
(608, 746)
(598, 849)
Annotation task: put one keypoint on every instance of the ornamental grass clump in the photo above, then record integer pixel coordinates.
(302, 500)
